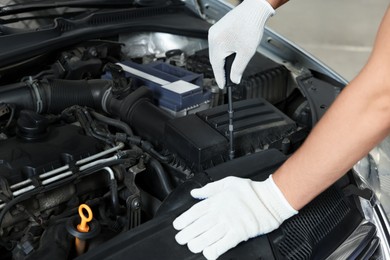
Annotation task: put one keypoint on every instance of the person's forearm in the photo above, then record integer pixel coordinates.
(346, 133)
(276, 3)
(357, 121)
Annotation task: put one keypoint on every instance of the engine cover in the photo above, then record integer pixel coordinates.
(22, 159)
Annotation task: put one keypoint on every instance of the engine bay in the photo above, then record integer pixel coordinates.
(121, 125)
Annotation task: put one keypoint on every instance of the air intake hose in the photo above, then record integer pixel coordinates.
(137, 110)
(53, 96)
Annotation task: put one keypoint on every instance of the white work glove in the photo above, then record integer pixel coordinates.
(233, 210)
(239, 31)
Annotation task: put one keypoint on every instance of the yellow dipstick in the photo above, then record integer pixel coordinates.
(83, 227)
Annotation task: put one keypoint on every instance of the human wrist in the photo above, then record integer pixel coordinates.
(290, 185)
(276, 3)
(278, 205)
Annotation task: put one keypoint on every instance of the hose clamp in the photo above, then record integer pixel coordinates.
(105, 98)
(34, 85)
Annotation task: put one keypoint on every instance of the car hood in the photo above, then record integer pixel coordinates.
(115, 106)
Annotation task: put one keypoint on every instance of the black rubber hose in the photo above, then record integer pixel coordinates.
(165, 182)
(60, 94)
(160, 157)
(114, 195)
(85, 122)
(133, 139)
(148, 147)
(137, 110)
(113, 122)
(53, 96)
(20, 94)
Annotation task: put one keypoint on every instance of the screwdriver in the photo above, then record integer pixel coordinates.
(229, 85)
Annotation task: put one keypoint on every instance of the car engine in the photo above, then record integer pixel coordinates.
(121, 126)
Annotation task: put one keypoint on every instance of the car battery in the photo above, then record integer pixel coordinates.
(173, 88)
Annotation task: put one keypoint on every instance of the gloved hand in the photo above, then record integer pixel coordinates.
(233, 210)
(240, 32)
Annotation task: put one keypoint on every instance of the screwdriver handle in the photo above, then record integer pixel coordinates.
(229, 84)
(228, 68)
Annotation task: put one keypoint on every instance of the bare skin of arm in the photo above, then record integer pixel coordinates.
(355, 123)
(276, 3)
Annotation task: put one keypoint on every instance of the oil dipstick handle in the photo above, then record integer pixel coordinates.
(229, 84)
(83, 227)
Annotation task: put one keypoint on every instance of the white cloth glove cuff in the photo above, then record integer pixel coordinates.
(279, 207)
(262, 10)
